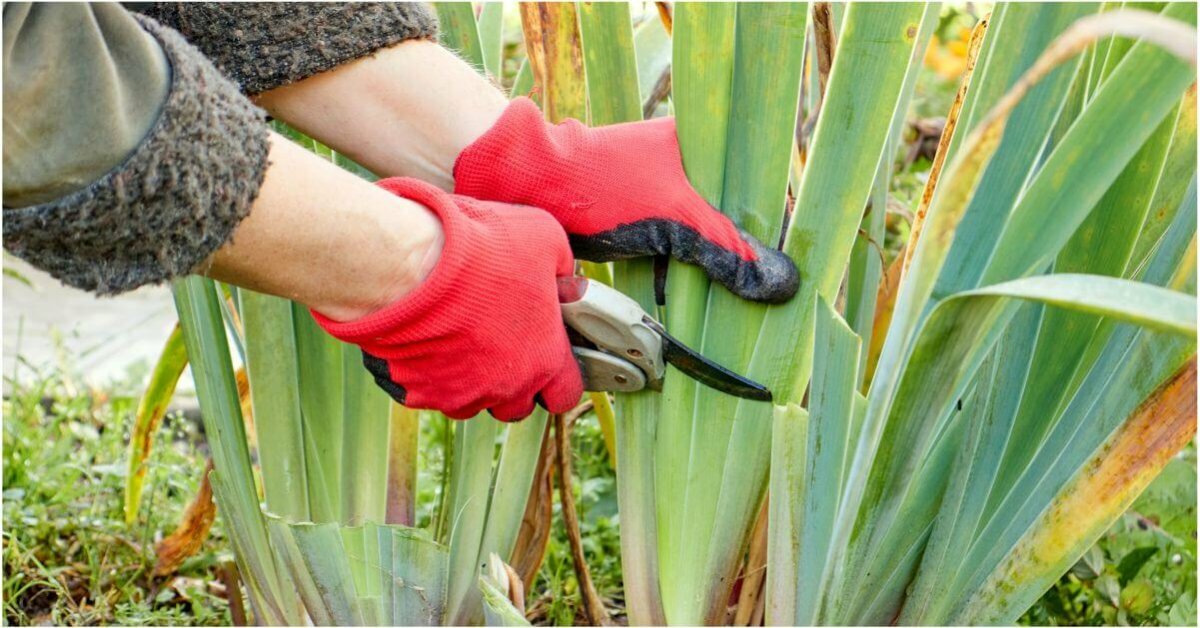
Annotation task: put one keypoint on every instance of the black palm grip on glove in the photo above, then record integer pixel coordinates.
(771, 278)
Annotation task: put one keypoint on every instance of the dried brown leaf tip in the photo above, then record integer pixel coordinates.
(193, 529)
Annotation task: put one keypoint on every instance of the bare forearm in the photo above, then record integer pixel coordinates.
(325, 238)
(408, 110)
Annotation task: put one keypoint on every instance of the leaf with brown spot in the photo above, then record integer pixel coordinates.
(555, 53)
(1102, 489)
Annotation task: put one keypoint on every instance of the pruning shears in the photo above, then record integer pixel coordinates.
(620, 347)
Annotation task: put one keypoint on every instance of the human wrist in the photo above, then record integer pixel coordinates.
(423, 236)
(321, 236)
(416, 237)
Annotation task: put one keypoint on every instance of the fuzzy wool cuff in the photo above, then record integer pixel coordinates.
(264, 45)
(173, 202)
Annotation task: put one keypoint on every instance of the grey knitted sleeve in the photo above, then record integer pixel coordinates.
(264, 45)
(172, 202)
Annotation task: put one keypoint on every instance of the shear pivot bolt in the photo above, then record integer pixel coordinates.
(634, 353)
(621, 379)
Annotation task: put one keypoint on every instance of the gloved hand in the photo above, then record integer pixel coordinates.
(620, 192)
(484, 330)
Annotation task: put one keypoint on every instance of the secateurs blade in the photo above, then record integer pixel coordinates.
(619, 347)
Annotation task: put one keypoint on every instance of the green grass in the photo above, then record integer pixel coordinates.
(69, 558)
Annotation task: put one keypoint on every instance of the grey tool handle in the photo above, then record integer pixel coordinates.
(616, 324)
(603, 372)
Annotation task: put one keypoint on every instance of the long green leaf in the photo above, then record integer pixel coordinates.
(491, 40)
(922, 409)
(1130, 301)
(512, 484)
(789, 448)
(365, 415)
(1123, 114)
(1006, 577)
(1102, 246)
(608, 56)
(1174, 260)
(1173, 184)
(831, 410)
(866, 257)
(939, 368)
(975, 468)
(319, 379)
(271, 361)
(702, 78)
(1017, 35)
(199, 310)
(474, 443)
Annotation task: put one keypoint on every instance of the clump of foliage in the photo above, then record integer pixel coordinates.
(947, 439)
(70, 560)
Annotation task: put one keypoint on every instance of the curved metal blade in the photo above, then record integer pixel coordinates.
(706, 371)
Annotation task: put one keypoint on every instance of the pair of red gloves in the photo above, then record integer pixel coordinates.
(484, 331)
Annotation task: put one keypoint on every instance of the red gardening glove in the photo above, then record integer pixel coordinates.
(620, 192)
(484, 331)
